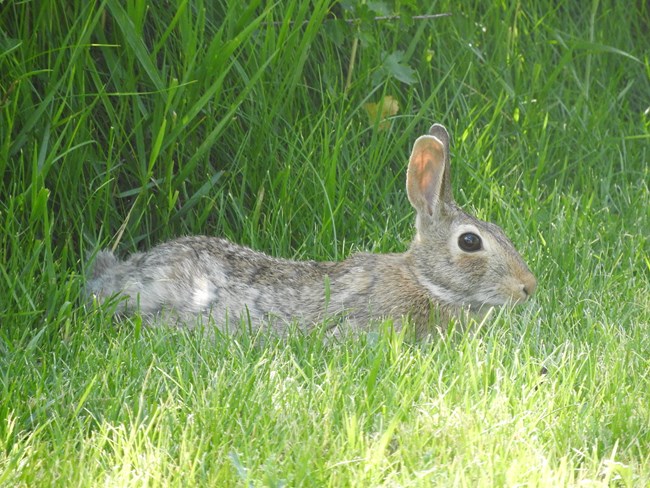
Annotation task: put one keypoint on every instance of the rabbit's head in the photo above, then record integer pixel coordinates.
(458, 258)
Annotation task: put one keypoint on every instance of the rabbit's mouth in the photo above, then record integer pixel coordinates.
(499, 297)
(508, 294)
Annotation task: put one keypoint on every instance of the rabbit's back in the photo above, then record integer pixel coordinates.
(210, 276)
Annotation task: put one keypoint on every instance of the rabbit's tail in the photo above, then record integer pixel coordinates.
(104, 262)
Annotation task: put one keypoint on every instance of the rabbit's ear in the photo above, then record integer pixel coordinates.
(438, 131)
(427, 178)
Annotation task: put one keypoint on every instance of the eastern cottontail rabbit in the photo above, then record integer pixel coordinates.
(455, 263)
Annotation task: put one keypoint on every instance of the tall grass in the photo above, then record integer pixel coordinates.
(127, 123)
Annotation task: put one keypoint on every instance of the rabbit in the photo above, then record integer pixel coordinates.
(456, 263)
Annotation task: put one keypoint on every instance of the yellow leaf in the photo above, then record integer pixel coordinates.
(386, 107)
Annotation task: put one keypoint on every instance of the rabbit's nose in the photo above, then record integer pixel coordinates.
(528, 284)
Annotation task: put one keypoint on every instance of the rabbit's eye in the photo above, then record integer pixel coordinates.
(470, 242)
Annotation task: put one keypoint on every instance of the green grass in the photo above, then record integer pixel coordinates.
(126, 123)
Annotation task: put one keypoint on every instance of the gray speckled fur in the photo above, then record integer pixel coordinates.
(210, 277)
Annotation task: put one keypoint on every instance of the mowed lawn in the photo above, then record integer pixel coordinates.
(286, 127)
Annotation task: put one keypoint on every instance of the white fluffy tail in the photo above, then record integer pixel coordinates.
(99, 276)
(103, 261)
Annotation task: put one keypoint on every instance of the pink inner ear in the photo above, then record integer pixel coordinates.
(427, 162)
(425, 174)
